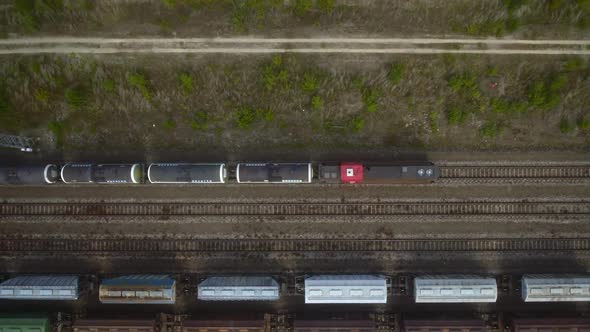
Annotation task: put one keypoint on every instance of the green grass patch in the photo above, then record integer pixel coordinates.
(41, 96)
(501, 106)
(245, 117)
(370, 98)
(301, 7)
(317, 103)
(169, 124)
(310, 82)
(141, 83)
(108, 85)
(276, 75)
(396, 72)
(76, 97)
(456, 116)
(566, 126)
(200, 120)
(186, 83)
(247, 14)
(326, 6)
(57, 129)
(547, 95)
(583, 123)
(356, 124)
(433, 118)
(491, 129)
(574, 64)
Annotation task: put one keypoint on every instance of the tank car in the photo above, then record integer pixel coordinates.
(345, 289)
(555, 288)
(102, 173)
(378, 173)
(41, 174)
(455, 289)
(186, 173)
(274, 173)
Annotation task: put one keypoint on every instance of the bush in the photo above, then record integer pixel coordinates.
(356, 124)
(455, 116)
(396, 72)
(491, 129)
(76, 97)
(169, 124)
(108, 85)
(186, 83)
(583, 124)
(310, 82)
(200, 121)
(317, 103)
(302, 7)
(565, 126)
(370, 97)
(139, 82)
(326, 6)
(245, 117)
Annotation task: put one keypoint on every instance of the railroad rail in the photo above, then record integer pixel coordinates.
(515, 172)
(173, 246)
(256, 208)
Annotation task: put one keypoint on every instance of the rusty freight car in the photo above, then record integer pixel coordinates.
(223, 325)
(334, 325)
(114, 325)
(550, 325)
(467, 325)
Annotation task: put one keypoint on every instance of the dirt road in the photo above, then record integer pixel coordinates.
(294, 45)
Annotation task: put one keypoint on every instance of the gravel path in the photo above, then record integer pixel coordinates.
(292, 45)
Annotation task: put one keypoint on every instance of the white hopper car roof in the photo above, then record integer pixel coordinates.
(455, 289)
(345, 289)
(555, 288)
(40, 288)
(238, 288)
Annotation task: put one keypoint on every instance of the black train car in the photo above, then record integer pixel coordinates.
(467, 325)
(101, 173)
(114, 325)
(274, 173)
(223, 326)
(186, 173)
(550, 325)
(40, 174)
(376, 173)
(342, 322)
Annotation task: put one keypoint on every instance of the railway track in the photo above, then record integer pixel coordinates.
(256, 208)
(567, 173)
(14, 246)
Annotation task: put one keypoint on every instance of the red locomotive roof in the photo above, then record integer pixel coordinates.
(351, 173)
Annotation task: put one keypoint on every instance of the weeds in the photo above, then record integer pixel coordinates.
(108, 85)
(276, 75)
(491, 129)
(200, 121)
(41, 95)
(310, 82)
(396, 73)
(356, 123)
(565, 126)
(76, 97)
(301, 7)
(57, 129)
(370, 97)
(326, 6)
(169, 124)
(583, 124)
(546, 95)
(186, 83)
(245, 116)
(574, 64)
(455, 116)
(317, 103)
(139, 82)
(433, 117)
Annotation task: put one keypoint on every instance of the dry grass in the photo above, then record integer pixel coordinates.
(438, 103)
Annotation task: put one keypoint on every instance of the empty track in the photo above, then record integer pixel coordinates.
(12, 246)
(574, 207)
(515, 173)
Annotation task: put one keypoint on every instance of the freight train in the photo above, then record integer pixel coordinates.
(215, 173)
(336, 322)
(315, 289)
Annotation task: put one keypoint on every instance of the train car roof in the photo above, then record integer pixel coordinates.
(185, 173)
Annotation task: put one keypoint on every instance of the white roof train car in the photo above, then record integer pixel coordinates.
(274, 173)
(186, 173)
(138, 289)
(555, 288)
(345, 289)
(40, 288)
(455, 289)
(238, 288)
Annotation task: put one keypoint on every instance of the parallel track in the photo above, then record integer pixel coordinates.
(394, 208)
(163, 246)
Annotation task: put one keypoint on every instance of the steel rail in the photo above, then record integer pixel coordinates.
(13, 246)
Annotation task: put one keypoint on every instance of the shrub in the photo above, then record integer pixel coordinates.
(396, 72)
(370, 96)
(565, 126)
(76, 97)
(491, 129)
(356, 124)
(139, 82)
(200, 121)
(186, 83)
(245, 117)
(41, 95)
(108, 85)
(583, 124)
(302, 7)
(317, 103)
(310, 82)
(326, 6)
(455, 116)
(169, 124)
